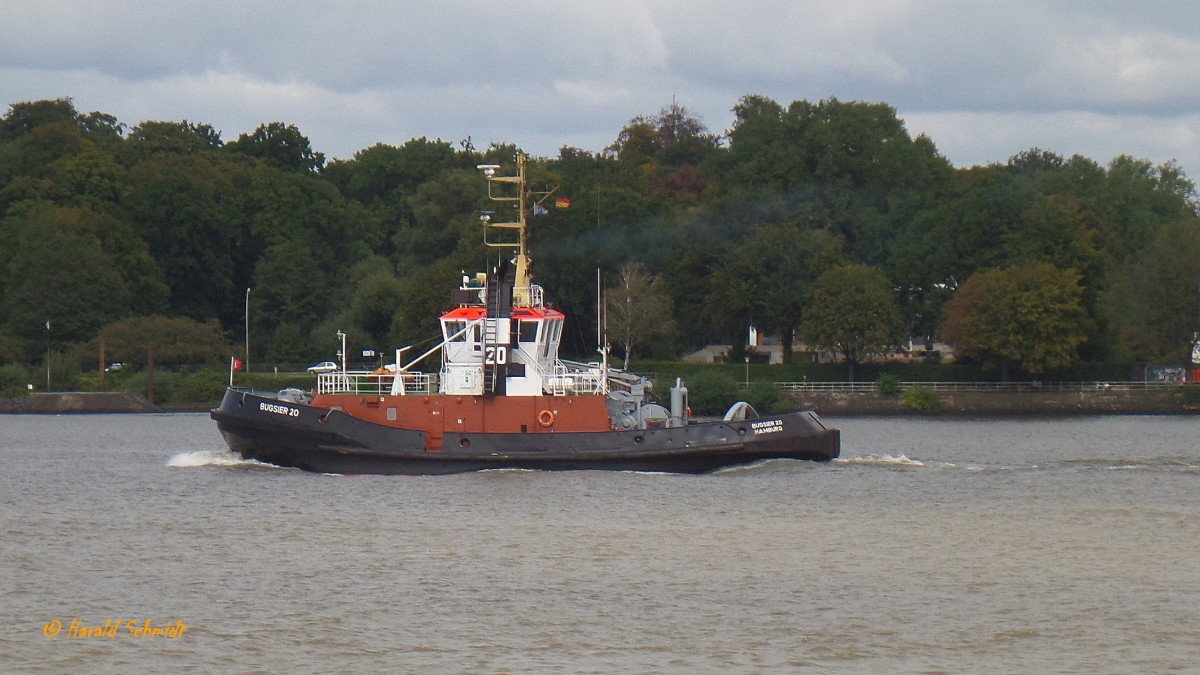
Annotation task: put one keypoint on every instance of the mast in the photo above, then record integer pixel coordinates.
(522, 297)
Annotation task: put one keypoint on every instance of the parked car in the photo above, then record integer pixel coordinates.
(323, 367)
(114, 366)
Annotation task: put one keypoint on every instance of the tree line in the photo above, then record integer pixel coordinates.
(824, 222)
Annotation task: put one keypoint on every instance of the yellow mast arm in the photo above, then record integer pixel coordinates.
(522, 297)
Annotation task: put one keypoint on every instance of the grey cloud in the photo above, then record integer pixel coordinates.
(984, 80)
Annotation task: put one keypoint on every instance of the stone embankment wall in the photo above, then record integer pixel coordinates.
(77, 402)
(1099, 402)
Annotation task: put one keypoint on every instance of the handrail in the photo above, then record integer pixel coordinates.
(570, 379)
(1010, 387)
(375, 384)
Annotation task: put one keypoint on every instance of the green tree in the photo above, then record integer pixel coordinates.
(283, 206)
(727, 300)
(10, 348)
(35, 153)
(445, 210)
(711, 284)
(781, 262)
(190, 210)
(52, 269)
(426, 295)
(90, 178)
(374, 306)
(852, 312)
(849, 165)
(1153, 303)
(665, 153)
(386, 174)
(758, 154)
(1031, 317)
(711, 392)
(1140, 198)
(638, 309)
(291, 296)
(672, 138)
(22, 118)
(175, 341)
(153, 138)
(281, 146)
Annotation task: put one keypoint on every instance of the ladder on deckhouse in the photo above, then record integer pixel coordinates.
(495, 354)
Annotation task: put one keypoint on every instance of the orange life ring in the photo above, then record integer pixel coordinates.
(546, 418)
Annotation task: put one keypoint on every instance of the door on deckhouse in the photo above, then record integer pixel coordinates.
(436, 427)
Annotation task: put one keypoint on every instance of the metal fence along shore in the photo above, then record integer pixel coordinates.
(999, 387)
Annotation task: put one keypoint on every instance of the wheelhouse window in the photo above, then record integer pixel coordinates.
(528, 331)
(453, 327)
(552, 333)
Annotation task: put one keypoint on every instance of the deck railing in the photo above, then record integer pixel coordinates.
(1009, 387)
(373, 384)
(573, 380)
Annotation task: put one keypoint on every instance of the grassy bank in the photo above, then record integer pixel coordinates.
(713, 387)
(1176, 400)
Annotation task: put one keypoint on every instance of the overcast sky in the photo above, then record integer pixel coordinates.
(984, 79)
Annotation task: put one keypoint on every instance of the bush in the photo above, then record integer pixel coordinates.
(205, 386)
(709, 392)
(64, 372)
(13, 381)
(165, 385)
(888, 385)
(1187, 394)
(765, 396)
(921, 398)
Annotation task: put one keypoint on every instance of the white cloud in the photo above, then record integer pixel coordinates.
(979, 138)
(592, 94)
(1132, 71)
(984, 80)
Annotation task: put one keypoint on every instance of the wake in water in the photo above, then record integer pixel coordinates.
(884, 460)
(1157, 464)
(187, 460)
(769, 465)
(1149, 464)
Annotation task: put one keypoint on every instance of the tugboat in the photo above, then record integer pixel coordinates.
(502, 398)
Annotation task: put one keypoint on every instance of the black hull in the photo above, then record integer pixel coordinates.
(315, 439)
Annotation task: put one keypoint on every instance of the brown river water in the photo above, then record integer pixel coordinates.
(133, 543)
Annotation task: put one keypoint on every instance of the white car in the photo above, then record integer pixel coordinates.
(323, 367)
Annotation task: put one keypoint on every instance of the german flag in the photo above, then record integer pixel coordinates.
(562, 202)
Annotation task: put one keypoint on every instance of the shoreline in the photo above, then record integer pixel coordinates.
(77, 402)
(1011, 404)
(827, 404)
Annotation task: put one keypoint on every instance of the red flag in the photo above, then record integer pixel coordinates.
(237, 364)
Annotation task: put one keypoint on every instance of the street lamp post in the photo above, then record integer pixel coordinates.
(48, 355)
(247, 330)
